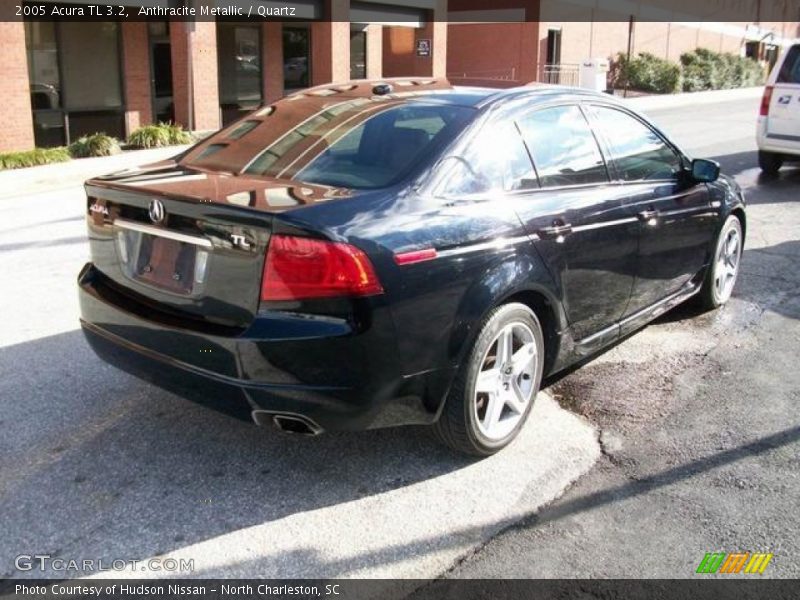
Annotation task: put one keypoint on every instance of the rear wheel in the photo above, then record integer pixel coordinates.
(494, 391)
(770, 162)
(724, 269)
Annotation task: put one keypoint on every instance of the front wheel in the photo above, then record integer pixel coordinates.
(724, 269)
(494, 391)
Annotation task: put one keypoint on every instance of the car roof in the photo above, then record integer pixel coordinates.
(236, 146)
(543, 92)
(441, 91)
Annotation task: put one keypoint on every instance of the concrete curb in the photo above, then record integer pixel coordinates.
(693, 98)
(415, 532)
(20, 182)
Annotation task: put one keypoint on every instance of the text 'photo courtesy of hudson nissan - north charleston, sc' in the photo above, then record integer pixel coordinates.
(402, 252)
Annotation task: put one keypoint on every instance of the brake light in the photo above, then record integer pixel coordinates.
(298, 267)
(765, 101)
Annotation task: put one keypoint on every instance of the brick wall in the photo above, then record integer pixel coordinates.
(16, 121)
(136, 74)
(374, 51)
(205, 100)
(272, 59)
(330, 52)
(398, 51)
(400, 47)
(330, 44)
(512, 58)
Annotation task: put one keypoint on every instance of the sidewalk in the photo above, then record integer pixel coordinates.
(20, 182)
(645, 103)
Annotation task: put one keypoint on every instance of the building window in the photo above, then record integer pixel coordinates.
(48, 118)
(296, 58)
(161, 71)
(76, 87)
(358, 52)
(240, 73)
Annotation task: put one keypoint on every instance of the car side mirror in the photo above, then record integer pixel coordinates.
(704, 170)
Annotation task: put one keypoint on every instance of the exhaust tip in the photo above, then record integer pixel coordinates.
(287, 423)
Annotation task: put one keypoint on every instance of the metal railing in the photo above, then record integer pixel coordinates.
(562, 74)
(509, 74)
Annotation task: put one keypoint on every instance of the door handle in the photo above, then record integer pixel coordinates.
(557, 231)
(649, 217)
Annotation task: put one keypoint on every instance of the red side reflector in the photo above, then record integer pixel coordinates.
(298, 268)
(415, 256)
(765, 101)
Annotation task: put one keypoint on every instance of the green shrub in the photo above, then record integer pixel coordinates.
(705, 69)
(149, 136)
(98, 144)
(177, 135)
(158, 136)
(647, 73)
(33, 158)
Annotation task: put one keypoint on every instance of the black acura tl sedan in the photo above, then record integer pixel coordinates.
(402, 252)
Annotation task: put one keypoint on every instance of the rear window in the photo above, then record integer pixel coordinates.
(790, 69)
(368, 145)
(319, 137)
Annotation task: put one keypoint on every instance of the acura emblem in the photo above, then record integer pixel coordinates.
(156, 211)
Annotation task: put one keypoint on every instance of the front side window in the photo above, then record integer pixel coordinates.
(495, 161)
(639, 154)
(563, 147)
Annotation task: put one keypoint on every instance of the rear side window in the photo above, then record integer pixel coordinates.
(637, 151)
(563, 147)
(790, 69)
(495, 161)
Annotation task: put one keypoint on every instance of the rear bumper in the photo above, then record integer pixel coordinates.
(327, 372)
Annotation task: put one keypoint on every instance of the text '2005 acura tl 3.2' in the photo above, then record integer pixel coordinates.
(402, 252)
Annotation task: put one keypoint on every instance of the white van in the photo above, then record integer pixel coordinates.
(778, 132)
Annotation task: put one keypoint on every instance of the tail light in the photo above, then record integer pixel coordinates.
(765, 101)
(298, 268)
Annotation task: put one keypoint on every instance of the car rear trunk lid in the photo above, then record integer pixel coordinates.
(185, 243)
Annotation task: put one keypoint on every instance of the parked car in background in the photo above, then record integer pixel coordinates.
(402, 252)
(778, 131)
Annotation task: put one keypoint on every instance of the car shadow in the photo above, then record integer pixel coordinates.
(96, 463)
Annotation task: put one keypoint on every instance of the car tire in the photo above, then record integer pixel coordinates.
(724, 267)
(770, 162)
(494, 390)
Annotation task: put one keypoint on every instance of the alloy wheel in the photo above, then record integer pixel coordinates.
(504, 386)
(727, 264)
